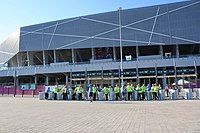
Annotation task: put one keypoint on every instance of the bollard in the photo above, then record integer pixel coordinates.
(149, 95)
(41, 95)
(172, 94)
(59, 96)
(50, 96)
(69, 96)
(112, 96)
(187, 94)
(100, 96)
(136, 96)
(162, 94)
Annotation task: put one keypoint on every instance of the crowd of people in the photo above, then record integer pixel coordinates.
(91, 92)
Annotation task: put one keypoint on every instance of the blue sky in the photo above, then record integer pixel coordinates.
(18, 13)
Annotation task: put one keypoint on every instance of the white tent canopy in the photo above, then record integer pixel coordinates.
(181, 82)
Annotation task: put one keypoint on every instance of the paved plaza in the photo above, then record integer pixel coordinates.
(27, 115)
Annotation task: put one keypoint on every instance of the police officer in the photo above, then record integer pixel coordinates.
(117, 92)
(94, 90)
(154, 90)
(55, 90)
(79, 91)
(106, 91)
(47, 90)
(142, 94)
(63, 91)
(129, 90)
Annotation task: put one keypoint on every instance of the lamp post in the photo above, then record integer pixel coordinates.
(120, 43)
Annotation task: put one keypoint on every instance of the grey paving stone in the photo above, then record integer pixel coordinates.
(30, 115)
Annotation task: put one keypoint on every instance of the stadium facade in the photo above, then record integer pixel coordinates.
(150, 44)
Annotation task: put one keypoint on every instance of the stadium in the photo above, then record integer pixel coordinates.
(155, 44)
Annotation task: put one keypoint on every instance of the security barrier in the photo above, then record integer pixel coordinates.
(50, 96)
(162, 94)
(187, 94)
(112, 96)
(59, 96)
(173, 94)
(197, 93)
(100, 96)
(41, 96)
(149, 95)
(136, 96)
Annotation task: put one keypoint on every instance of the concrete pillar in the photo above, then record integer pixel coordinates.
(156, 74)
(169, 82)
(164, 80)
(183, 77)
(177, 51)
(56, 80)
(137, 80)
(101, 76)
(114, 53)
(137, 52)
(73, 60)
(54, 56)
(45, 58)
(161, 51)
(35, 80)
(93, 54)
(66, 79)
(112, 81)
(30, 58)
(70, 77)
(47, 80)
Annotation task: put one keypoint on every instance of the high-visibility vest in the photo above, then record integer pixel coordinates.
(94, 89)
(106, 90)
(63, 90)
(116, 89)
(143, 88)
(55, 90)
(129, 89)
(139, 89)
(80, 89)
(154, 89)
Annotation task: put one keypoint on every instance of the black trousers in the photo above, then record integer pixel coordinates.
(155, 97)
(64, 96)
(106, 97)
(129, 95)
(74, 96)
(79, 96)
(46, 95)
(141, 96)
(94, 96)
(117, 96)
(55, 96)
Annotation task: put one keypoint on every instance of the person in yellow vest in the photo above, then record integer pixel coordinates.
(154, 90)
(129, 90)
(63, 91)
(117, 92)
(139, 90)
(142, 94)
(79, 91)
(94, 90)
(106, 91)
(55, 90)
